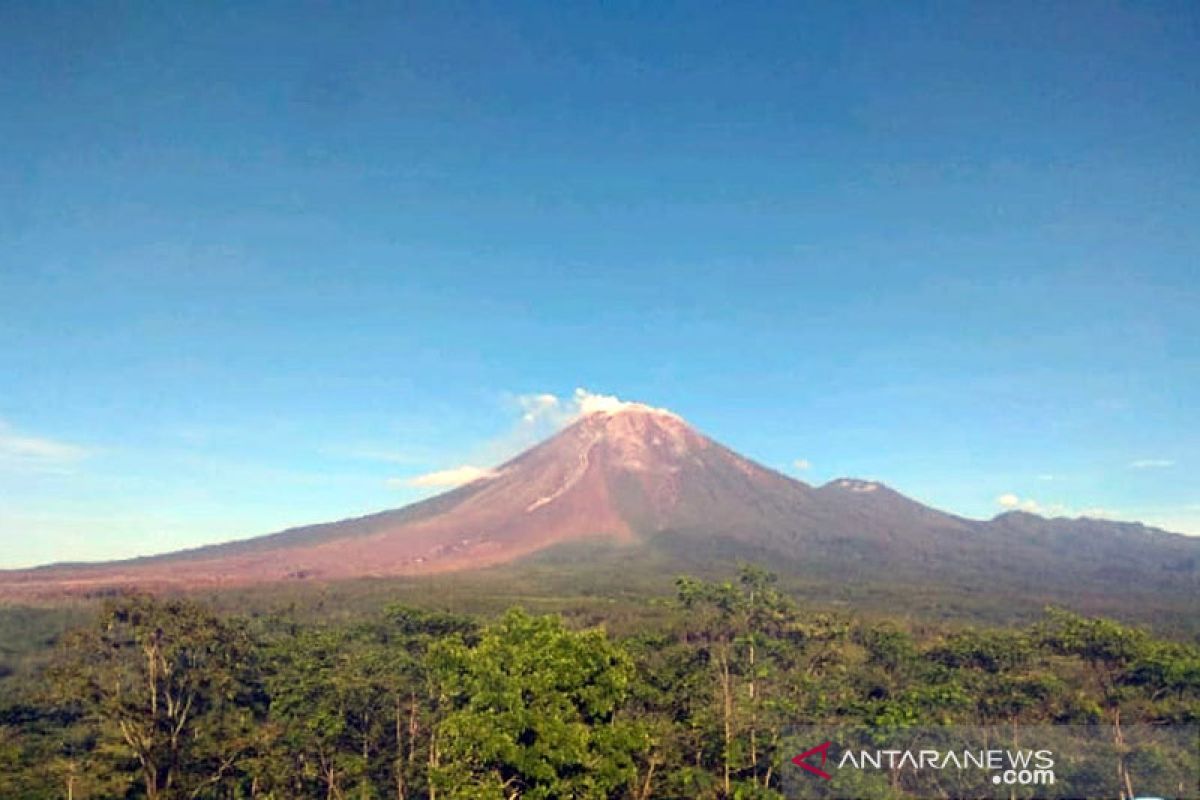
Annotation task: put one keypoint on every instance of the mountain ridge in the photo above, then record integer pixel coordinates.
(631, 473)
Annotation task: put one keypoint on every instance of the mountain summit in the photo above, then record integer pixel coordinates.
(642, 477)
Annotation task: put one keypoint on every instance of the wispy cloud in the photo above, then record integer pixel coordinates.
(540, 414)
(545, 408)
(1010, 501)
(443, 479)
(372, 454)
(1098, 512)
(1152, 463)
(1182, 519)
(23, 451)
(802, 464)
(538, 407)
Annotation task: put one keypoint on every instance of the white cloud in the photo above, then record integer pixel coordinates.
(545, 407)
(1151, 463)
(1013, 502)
(538, 415)
(802, 464)
(1008, 500)
(1045, 476)
(544, 413)
(443, 479)
(591, 403)
(538, 406)
(35, 453)
(541, 413)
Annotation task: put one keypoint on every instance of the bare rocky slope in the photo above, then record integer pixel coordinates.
(639, 476)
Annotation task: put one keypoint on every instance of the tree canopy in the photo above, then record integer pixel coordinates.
(168, 699)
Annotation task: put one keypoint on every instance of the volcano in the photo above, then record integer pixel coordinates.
(641, 477)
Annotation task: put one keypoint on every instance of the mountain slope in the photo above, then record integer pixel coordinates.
(637, 475)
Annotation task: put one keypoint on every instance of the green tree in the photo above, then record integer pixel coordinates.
(168, 685)
(745, 632)
(331, 696)
(533, 711)
(1112, 653)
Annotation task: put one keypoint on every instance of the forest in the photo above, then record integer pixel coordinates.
(171, 698)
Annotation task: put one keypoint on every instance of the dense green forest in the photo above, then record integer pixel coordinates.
(700, 697)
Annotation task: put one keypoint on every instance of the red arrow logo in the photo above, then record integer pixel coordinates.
(802, 762)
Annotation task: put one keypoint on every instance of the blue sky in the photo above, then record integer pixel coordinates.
(267, 264)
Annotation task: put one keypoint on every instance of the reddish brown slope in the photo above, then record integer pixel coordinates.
(561, 490)
(632, 473)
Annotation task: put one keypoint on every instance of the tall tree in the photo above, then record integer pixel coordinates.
(167, 684)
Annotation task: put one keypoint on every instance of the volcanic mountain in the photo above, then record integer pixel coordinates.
(641, 477)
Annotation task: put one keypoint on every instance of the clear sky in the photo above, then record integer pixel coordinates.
(267, 264)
